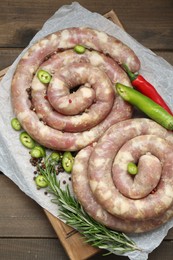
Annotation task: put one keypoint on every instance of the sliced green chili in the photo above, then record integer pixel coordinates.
(38, 152)
(26, 140)
(67, 161)
(40, 181)
(55, 156)
(145, 104)
(79, 49)
(44, 76)
(16, 124)
(132, 168)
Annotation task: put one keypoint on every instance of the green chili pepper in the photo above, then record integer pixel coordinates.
(145, 104)
(26, 140)
(67, 161)
(132, 168)
(16, 124)
(40, 181)
(79, 49)
(38, 152)
(44, 76)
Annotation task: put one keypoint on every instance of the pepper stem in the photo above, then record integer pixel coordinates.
(131, 75)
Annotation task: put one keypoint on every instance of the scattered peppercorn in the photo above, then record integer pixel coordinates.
(34, 161)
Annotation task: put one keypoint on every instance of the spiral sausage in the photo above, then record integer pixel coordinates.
(52, 115)
(112, 196)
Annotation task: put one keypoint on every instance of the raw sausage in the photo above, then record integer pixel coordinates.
(46, 117)
(78, 74)
(109, 194)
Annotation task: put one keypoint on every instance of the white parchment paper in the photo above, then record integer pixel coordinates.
(14, 158)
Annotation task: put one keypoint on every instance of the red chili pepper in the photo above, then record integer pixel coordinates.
(141, 84)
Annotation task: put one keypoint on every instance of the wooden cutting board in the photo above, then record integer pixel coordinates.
(73, 243)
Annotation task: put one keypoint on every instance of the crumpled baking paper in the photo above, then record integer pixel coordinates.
(14, 158)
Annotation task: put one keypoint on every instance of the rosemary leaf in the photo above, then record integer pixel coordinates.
(74, 215)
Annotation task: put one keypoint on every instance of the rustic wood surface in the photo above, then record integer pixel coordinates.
(25, 232)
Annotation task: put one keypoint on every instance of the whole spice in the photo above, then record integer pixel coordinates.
(141, 84)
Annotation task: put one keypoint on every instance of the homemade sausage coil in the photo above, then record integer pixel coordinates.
(54, 114)
(114, 197)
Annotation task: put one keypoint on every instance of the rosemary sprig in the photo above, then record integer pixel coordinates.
(74, 215)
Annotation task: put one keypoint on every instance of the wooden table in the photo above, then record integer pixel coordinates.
(25, 232)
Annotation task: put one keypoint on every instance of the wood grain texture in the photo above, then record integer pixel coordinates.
(8, 56)
(20, 216)
(43, 249)
(150, 22)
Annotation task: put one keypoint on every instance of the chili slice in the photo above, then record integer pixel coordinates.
(132, 168)
(44, 76)
(79, 49)
(141, 84)
(26, 140)
(16, 124)
(40, 181)
(55, 156)
(67, 161)
(38, 152)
